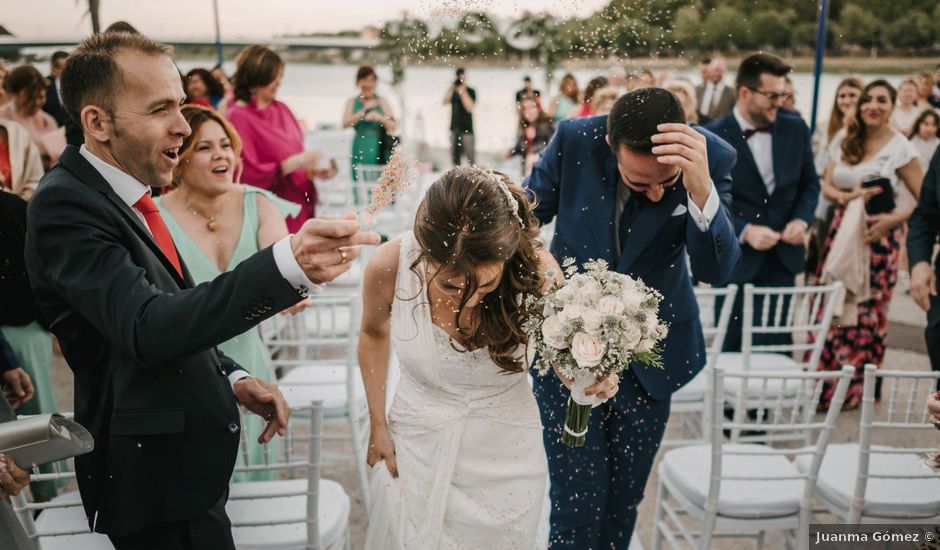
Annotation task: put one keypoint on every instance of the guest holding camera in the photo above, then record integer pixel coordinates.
(462, 99)
(868, 161)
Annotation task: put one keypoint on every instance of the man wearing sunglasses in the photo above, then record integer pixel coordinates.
(638, 188)
(775, 188)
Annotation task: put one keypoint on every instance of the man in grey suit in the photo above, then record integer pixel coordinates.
(715, 98)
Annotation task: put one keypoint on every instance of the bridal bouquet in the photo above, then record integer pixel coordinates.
(592, 326)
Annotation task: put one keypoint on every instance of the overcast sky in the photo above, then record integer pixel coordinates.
(168, 19)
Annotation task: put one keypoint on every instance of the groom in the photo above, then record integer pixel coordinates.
(637, 188)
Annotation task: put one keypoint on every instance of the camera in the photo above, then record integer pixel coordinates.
(458, 82)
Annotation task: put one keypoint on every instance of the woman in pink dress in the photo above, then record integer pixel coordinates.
(272, 141)
(26, 85)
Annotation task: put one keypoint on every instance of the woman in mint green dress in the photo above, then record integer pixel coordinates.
(368, 114)
(215, 225)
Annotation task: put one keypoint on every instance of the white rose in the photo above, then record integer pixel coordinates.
(610, 305)
(567, 293)
(553, 330)
(631, 334)
(589, 289)
(587, 350)
(627, 283)
(593, 321)
(651, 323)
(645, 345)
(571, 312)
(632, 298)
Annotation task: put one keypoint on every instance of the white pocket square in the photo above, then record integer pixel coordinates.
(680, 210)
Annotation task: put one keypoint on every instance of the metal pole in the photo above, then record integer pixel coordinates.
(218, 34)
(822, 16)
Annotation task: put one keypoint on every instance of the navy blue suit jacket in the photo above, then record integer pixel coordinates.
(576, 182)
(796, 189)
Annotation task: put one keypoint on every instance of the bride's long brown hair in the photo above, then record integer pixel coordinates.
(465, 221)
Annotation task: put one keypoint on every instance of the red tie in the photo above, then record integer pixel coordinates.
(161, 234)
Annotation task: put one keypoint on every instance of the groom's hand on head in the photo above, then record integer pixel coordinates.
(680, 145)
(326, 247)
(265, 400)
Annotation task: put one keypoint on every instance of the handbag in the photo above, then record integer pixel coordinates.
(44, 438)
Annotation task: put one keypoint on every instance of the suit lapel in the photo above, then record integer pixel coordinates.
(776, 151)
(74, 162)
(735, 136)
(647, 225)
(601, 208)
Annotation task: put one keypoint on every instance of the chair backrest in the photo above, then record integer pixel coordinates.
(803, 313)
(297, 458)
(791, 418)
(906, 394)
(714, 332)
(328, 325)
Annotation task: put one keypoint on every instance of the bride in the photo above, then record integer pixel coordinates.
(458, 461)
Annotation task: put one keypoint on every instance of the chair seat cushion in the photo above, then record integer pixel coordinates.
(332, 517)
(304, 384)
(69, 519)
(687, 468)
(884, 497)
(734, 361)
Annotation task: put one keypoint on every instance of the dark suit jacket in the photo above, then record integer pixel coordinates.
(924, 228)
(140, 339)
(576, 181)
(53, 106)
(17, 304)
(795, 195)
(715, 110)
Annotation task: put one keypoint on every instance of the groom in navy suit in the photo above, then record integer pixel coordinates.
(637, 188)
(775, 187)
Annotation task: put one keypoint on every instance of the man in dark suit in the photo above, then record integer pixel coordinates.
(924, 228)
(53, 104)
(775, 187)
(715, 98)
(140, 338)
(638, 189)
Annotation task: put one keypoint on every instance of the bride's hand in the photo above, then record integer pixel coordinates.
(605, 388)
(381, 448)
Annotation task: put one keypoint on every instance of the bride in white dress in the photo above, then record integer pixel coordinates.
(458, 461)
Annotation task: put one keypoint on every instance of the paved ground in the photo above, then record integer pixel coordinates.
(906, 352)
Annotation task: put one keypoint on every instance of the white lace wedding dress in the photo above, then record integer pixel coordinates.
(468, 441)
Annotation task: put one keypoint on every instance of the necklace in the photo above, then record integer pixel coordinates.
(211, 223)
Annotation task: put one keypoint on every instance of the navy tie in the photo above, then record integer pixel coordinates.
(630, 210)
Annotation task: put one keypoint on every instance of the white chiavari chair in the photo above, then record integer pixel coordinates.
(746, 490)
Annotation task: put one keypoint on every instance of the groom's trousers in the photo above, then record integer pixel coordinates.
(596, 489)
(211, 530)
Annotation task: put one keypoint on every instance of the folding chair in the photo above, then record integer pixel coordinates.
(745, 490)
(866, 482)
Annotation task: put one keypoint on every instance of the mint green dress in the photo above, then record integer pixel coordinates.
(247, 349)
(32, 346)
(366, 145)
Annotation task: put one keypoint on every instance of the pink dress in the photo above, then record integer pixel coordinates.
(269, 136)
(42, 128)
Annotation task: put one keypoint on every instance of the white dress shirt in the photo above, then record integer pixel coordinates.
(761, 146)
(130, 190)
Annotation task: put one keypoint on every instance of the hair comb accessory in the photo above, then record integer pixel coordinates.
(510, 200)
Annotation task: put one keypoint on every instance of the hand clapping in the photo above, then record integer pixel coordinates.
(325, 248)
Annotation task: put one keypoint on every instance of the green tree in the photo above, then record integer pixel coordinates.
(771, 28)
(859, 27)
(688, 28)
(804, 35)
(725, 28)
(912, 30)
